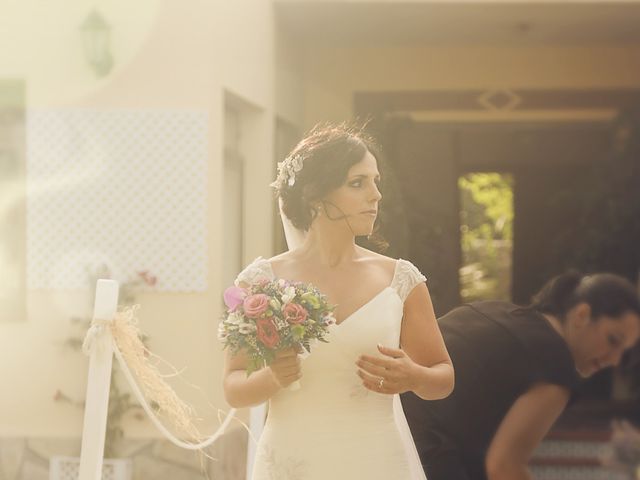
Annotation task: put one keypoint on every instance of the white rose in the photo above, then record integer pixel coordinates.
(222, 332)
(246, 328)
(288, 295)
(234, 318)
(330, 320)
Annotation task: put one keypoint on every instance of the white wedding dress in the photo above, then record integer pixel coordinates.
(332, 427)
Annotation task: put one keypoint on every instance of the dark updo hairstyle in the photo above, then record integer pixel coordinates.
(606, 294)
(327, 153)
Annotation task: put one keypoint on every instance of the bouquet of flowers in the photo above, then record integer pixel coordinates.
(270, 316)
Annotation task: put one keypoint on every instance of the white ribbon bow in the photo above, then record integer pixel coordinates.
(96, 331)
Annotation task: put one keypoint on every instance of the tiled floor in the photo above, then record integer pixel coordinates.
(29, 459)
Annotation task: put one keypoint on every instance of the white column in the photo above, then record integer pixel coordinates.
(98, 384)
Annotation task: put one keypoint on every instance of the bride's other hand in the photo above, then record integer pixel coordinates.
(393, 373)
(286, 367)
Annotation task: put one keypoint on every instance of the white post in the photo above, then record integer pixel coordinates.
(98, 384)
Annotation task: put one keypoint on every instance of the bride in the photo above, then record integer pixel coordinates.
(340, 423)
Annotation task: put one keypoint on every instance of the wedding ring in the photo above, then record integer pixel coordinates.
(381, 384)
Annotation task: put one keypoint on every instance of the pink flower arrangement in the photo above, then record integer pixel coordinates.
(234, 297)
(294, 313)
(255, 305)
(270, 316)
(267, 332)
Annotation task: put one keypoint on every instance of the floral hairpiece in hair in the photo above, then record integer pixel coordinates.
(287, 171)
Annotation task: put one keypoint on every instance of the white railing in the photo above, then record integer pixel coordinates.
(100, 346)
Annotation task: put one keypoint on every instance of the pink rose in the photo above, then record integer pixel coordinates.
(255, 305)
(294, 313)
(233, 297)
(267, 332)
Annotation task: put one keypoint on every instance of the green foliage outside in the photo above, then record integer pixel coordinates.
(486, 223)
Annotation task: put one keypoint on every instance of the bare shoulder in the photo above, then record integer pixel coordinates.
(284, 262)
(293, 264)
(370, 255)
(378, 261)
(283, 257)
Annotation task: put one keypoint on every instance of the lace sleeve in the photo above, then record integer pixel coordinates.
(259, 269)
(406, 277)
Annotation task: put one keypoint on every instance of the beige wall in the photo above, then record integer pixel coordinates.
(332, 75)
(169, 55)
(290, 82)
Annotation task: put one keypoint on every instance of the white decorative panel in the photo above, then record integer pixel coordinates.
(122, 188)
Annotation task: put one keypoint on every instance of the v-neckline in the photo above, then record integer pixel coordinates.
(361, 307)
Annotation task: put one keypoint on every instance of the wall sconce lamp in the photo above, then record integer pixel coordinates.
(96, 33)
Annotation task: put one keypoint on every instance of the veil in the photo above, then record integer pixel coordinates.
(295, 237)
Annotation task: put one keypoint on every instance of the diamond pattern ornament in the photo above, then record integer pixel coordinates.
(499, 100)
(125, 189)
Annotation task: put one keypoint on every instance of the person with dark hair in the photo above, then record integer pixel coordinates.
(515, 370)
(341, 422)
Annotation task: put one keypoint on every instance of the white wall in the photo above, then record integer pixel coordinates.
(290, 81)
(168, 55)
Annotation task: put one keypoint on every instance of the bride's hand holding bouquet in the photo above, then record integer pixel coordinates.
(271, 321)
